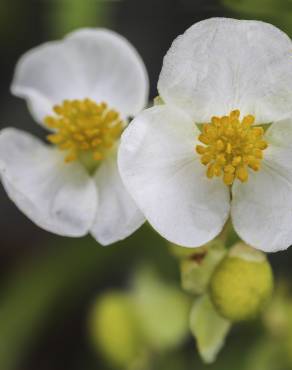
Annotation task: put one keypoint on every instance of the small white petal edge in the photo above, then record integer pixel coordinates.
(117, 214)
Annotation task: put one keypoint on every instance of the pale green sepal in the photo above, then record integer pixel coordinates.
(185, 252)
(197, 269)
(209, 328)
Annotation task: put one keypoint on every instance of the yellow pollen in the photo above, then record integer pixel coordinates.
(84, 126)
(231, 146)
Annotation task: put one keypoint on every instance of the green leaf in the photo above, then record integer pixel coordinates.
(209, 328)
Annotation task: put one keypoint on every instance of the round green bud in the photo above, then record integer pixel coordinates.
(114, 330)
(241, 283)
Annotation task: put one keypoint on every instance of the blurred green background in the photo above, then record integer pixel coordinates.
(48, 284)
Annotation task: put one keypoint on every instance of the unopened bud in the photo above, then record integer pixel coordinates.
(197, 267)
(114, 330)
(241, 283)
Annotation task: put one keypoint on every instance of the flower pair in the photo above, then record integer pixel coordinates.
(218, 146)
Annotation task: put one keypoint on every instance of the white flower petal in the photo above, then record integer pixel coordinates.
(162, 172)
(89, 63)
(262, 208)
(117, 215)
(222, 64)
(58, 197)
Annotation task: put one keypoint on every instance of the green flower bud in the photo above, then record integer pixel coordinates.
(162, 309)
(241, 283)
(114, 331)
(198, 267)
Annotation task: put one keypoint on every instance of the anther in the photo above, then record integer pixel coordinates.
(231, 147)
(83, 125)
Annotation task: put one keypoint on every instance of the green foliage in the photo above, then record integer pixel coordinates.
(273, 350)
(57, 279)
(277, 12)
(129, 327)
(67, 15)
(162, 310)
(13, 18)
(34, 290)
(209, 328)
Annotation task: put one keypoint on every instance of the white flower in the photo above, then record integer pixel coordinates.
(83, 89)
(239, 73)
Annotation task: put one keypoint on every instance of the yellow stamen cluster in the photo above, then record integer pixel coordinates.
(84, 126)
(231, 147)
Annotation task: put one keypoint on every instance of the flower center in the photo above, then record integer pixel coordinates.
(84, 127)
(231, 147)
